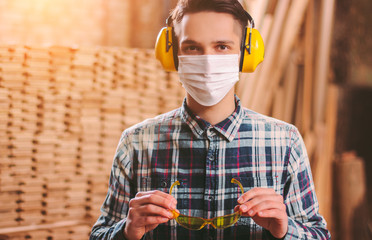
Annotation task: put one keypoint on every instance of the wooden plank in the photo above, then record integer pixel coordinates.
(298, 101)
(322, 62)
(325, 156)
(290, 88)
(40, 227)
(310, 143)
(308, 74)
(278, 105)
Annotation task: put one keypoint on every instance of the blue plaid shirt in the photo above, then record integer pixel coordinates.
(257, 150)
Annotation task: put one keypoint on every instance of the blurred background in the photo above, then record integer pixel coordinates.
(75, 74)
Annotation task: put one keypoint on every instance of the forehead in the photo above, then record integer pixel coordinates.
(208, 25)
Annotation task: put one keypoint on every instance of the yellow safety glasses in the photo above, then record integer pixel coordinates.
(197, 223)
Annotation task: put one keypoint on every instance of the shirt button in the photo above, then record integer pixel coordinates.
(211, 158)
(211, 198)
(164, 184)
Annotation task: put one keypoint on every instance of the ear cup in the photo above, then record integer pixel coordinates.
(249, 61)
(166, 49)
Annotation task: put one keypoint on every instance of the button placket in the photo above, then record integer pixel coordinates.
(211, 150)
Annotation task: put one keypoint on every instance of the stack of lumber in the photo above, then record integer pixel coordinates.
(294, 82)
(62, 111)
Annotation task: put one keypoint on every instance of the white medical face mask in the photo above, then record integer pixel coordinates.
(208, 78)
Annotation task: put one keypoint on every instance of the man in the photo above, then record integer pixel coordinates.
(206, 143)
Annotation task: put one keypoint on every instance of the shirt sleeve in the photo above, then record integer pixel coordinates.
(111, 223)
(304, 220)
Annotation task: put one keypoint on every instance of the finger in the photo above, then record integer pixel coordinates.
(268, 205)
(237, 208)
(272, 213)
(245, 207)
(266, 195)
(255, 192)
(262, 206)
(154, 210)
(261, 198)
(151, 220)
(156, 197)
(137, 221)
(156, 192)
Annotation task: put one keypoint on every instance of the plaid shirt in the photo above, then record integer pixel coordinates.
(257, 150)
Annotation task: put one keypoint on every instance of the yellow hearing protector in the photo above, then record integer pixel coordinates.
(252, 48)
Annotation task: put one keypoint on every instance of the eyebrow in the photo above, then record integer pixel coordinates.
(225, 42)
(190, 41)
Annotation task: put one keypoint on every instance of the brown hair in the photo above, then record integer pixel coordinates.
(232, 7)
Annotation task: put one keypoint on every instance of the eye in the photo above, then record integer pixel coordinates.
(190, 48)
(223, 47)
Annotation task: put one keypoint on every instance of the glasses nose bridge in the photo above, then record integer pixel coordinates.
(209, 221)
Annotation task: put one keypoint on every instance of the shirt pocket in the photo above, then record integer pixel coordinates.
(155, 183)
(249, 183)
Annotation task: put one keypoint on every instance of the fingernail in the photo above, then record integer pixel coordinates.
(250, 212)
(240, 200)
(170, 215)
(243, 208)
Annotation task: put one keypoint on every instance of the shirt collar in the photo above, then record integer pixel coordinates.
(227, 128)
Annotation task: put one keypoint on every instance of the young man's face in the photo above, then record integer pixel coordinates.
(208, 33)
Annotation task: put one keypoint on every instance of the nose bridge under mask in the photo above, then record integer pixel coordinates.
(208, 63)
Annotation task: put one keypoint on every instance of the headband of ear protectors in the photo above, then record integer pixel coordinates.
(252, 48)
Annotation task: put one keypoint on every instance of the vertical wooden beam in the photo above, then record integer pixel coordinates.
(322, 169)
(322, 63)
(308, 74)
(290, 87)
(278, 105)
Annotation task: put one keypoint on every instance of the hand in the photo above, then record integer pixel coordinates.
(267, 209)
(146, 211)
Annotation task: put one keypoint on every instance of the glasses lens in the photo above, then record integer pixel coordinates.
(226, 221)
(192, 223)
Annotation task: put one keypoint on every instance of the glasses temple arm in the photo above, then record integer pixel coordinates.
(233, 180)
(174, 184)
